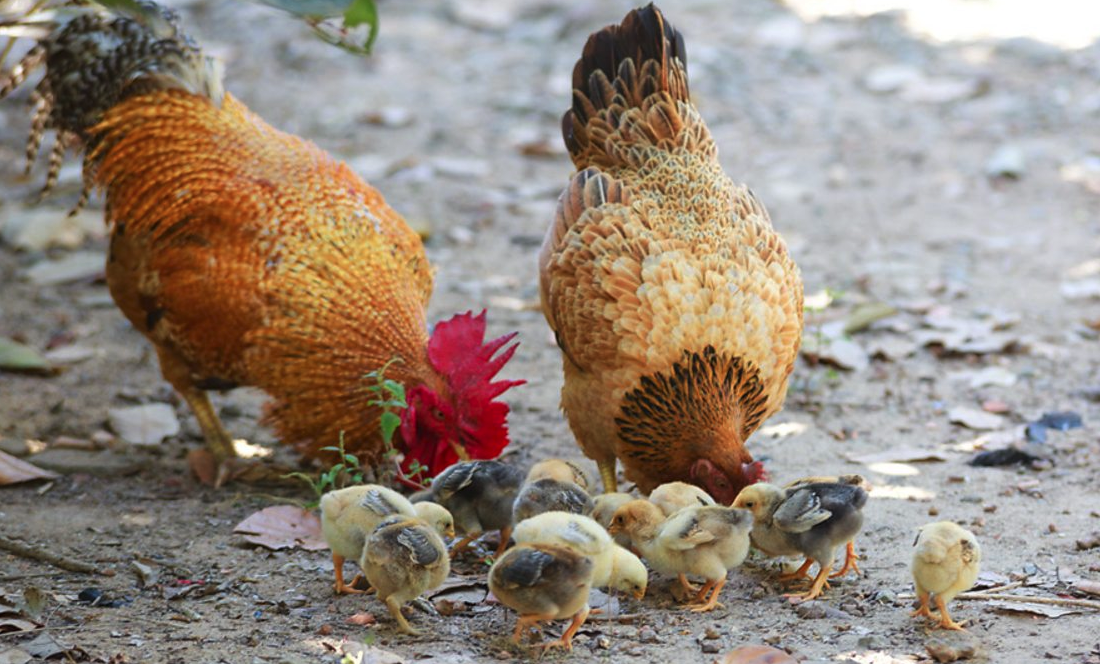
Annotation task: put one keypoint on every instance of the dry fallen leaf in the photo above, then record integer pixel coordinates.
(973, 418)
(283, 527)
(361, 619)
(758, 655)
(1024, 606)
(14, 470)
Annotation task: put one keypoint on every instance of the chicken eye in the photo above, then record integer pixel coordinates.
(437, 413)
(748, 504)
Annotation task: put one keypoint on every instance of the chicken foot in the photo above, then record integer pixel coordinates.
(566, 640)
(607, 475)
(850, 558)
(395, 610)
(340, 587)
(798, 574)
(715, 588)
(944, 619)
(528, 622)
(821, 581)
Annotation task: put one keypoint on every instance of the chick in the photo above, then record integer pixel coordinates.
(604, 507)
(613, 566)
(850, 556)
(436, 516)
(543, 582)
(560, 470)
(945, 563)
(548, 495)
(479, 494)
(809, 519)
(671, 497)
(701, 541)
(403, 558)
(349, 515)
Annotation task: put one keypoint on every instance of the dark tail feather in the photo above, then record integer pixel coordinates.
(97, 59)
(624, 65)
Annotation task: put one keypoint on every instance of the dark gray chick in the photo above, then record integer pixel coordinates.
(479, 494)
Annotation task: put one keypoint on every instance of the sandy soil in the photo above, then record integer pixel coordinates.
(869, 144)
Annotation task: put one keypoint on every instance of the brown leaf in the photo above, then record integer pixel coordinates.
(758, 655)
(362, 619)
(283, 527)
(203, 466)
(1086, 586)
(14, 470)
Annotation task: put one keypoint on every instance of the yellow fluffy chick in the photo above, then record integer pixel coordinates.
(701, 541)
(348, 516)
(560, 470)
(543, 582)
(811, 519)
(404, 558)
(613, 566)
(436, 516)
(604, 507)
(672, 497)
(945, 563)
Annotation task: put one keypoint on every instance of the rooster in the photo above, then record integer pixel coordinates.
(251, 257)
(677, 306)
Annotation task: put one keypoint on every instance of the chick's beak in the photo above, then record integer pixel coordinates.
(450, 532)
(639, 594)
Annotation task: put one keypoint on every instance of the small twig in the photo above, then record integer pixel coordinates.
(35, 553)
(1059, 601)
(1027, 599)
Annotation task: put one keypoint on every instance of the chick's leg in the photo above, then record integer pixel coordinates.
(395, 610)
(460, 546)
(800, 573)
(566, 640)
(945, 618)
(850, 558)
(712, 603)
(338, 568)
(821, 581)
(688, 586)
(701, 596)
(923, 610)
(505, 535)
(524, 623)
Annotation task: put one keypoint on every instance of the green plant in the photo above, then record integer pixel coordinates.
(345, 472)
(389, 395)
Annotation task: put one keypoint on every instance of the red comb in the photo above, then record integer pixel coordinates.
(456, 351)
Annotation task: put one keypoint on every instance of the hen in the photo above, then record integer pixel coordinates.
(251, 257)
(677, 306)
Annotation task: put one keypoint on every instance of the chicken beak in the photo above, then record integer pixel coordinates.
(638, 595)
(450, 533)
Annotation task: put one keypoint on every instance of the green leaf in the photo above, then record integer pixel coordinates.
(15, 356)
(360, 12)
(390, 422)
(397, 393)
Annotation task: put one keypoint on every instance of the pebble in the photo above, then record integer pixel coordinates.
(711, 633)
(1006, 162)
(814, 610)
(873, 642)
(77, 266)
(647, 635)
(147, 424)
(952, 647)
(710, 647)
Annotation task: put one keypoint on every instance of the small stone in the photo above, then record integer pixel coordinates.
(99, 464)
(711, 633)
(148, 424)
(1007, 161)
(873, 642)
(710, 647)
(603, 643)
(933, 511)
(953, 647)
(989, 509)
(1051, 528)
(814, 610)
(77, 266)
(647, 635)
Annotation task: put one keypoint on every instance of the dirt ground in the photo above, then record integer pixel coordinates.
(948, 180)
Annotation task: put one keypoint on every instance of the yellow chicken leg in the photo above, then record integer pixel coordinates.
(798, 574)
(924, 609)
(524, 623)
(688, 586)
(505, 535)
(821, 581)
(945, 618)
(566, 640)
(341, 587)
(460, 546)
(395, 610)
(712, 603)
(850, 558)
(217, 438)
(607, 474)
